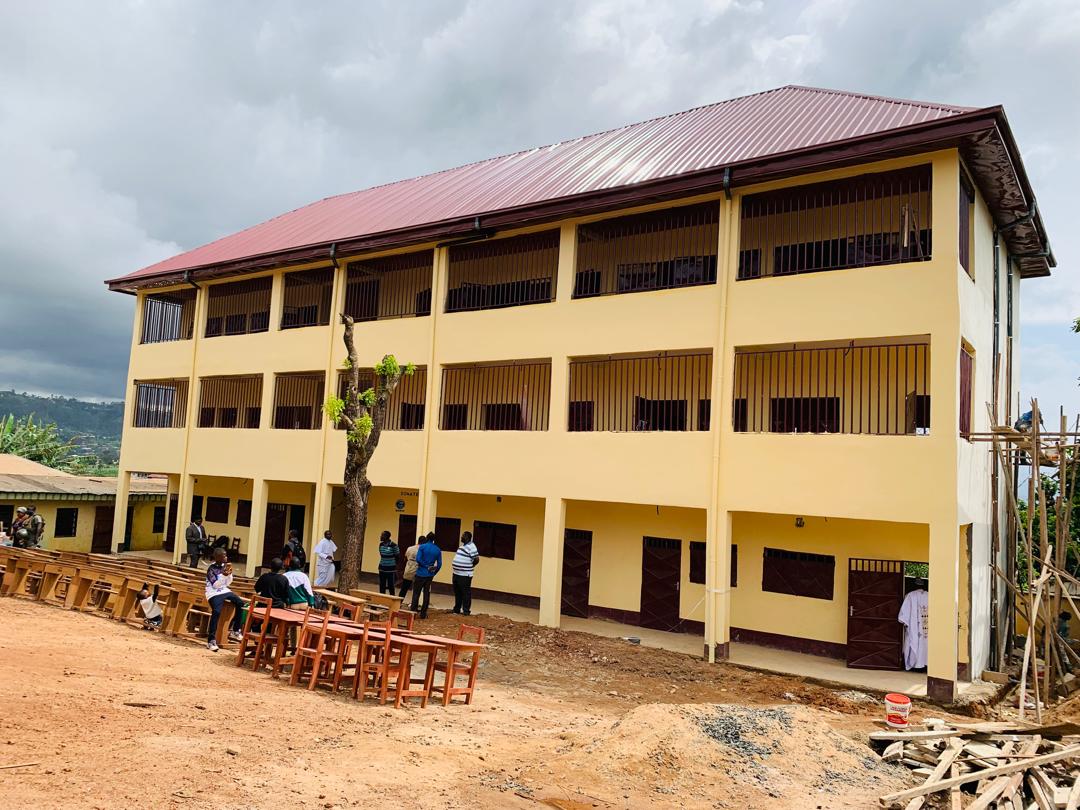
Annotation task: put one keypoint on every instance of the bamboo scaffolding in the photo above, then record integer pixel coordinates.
(1045, 560)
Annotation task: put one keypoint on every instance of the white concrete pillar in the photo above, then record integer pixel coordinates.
(718, 585)
(943, 648)
(183, 516)
(123, 485)
(551, 562)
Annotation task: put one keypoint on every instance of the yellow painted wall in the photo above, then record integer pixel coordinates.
(143, 536)
(618, 530)
(804, 617)
(143, 521)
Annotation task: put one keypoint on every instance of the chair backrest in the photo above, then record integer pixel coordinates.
(384, 642)
(469, 632)
(235, 545)
(258, 603)
(402, 619)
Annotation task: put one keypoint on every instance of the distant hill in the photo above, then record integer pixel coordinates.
(96, 425)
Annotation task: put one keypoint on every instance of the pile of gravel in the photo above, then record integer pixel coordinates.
(734, 726)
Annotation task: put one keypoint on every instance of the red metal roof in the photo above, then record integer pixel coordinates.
(771, 123)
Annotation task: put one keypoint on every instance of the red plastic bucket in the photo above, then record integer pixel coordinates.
(897, 709)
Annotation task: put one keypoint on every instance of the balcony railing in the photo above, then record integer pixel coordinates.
(503, 273)
(504, 396)
(406, 409)
(160, 403)
(878, 389)
(298, 401)
(306, 298)
(238, 308)
(390, 287)
(230, 402)
(665, 391)
(872, 219)
(168, 316)
(659, 250)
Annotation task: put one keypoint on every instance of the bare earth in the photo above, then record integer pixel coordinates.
(562, 720)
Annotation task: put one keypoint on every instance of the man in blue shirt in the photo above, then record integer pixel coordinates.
(428, 563)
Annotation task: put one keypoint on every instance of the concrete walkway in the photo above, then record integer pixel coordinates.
(819, 668)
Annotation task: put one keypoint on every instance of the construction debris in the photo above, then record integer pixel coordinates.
(1000, 765)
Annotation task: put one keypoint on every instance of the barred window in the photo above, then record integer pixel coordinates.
(160, 403)
(239, 307)
(390, 287)
(306, 298)
(168, 316)
(504, 272)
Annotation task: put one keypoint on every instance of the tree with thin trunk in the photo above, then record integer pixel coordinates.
(363, 414)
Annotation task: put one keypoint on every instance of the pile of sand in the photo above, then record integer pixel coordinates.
(725, 755)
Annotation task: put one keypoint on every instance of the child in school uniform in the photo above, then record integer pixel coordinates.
(151, 611)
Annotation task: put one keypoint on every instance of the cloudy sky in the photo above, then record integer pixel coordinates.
(132, 130)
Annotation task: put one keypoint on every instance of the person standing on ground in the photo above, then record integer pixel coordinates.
(410, 569)
(294, 550)
(273, 585)
(219, 577)
(428, 563)
(388, 557)
(324, 552)
(20, 528)
(194, 536)
(464, 563)
(36, 526)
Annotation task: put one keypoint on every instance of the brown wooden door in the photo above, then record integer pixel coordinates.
(875, 592)
(577, 563)
(170, 526)
(277, 515)
(447, 534)
(101, 542)
(406, 537)
(661, 569)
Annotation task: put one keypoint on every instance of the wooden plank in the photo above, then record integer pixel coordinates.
(994, 677)
(1071, 752)
(912, 736)
(1073, 801)
(943, 764)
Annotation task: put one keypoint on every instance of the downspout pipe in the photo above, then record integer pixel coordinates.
(189, 280)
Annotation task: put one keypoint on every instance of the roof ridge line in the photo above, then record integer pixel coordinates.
(931, 105)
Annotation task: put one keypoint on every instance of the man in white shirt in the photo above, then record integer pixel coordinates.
(465, 561)
(219, 577)
(324, 552)
(914, 615)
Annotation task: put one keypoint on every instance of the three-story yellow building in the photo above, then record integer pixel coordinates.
(710, 373)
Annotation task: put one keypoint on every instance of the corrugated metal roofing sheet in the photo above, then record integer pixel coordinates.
(75, 485)
(769, 123)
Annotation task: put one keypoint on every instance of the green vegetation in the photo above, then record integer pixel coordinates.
(68, 434)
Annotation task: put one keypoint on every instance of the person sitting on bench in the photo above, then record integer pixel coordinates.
(219, 577)
(274, 585)
(150, 608)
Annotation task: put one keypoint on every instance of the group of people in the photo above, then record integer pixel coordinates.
(423, 560)
(28, 528)
(287, 584)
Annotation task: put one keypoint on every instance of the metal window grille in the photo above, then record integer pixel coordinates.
(168, 316)
(160, 403)
(503, 273)
(876, 389)
(407, 406)
(658, 250)
(872, 219)
(967, 374)
(635, 393)
(390, 287)
(238, 308)
(230, 402)
(798, 573)
(298, 401)
(506, 396)
(306, 298)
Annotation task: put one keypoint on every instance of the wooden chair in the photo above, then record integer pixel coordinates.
(402, 619)
(312, 648)
(254, 639)
(375, 663)
(453, 668)
(234, 547)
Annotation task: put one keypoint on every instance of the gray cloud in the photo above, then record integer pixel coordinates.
(130, 130)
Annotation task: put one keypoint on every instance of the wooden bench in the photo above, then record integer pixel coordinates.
(387, 600)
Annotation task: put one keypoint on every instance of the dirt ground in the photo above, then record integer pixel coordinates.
(564, 720)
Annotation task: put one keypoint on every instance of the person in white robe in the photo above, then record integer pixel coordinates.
(324, 552)
(914, 615)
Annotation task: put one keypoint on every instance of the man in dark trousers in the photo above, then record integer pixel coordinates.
(194, 536)
(428, 563)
